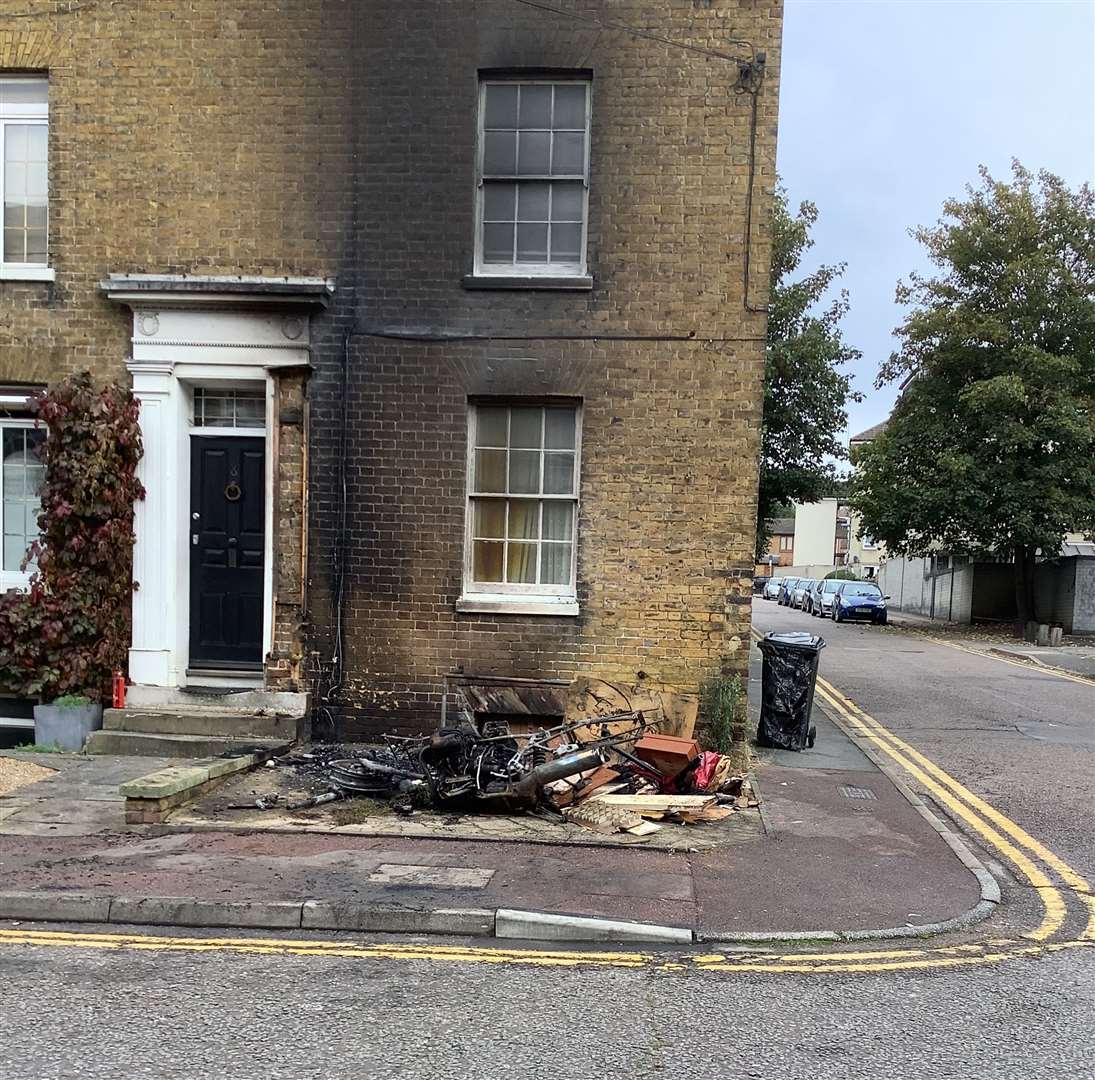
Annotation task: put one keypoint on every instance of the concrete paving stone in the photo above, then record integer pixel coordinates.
(455, 877)
(16, 826)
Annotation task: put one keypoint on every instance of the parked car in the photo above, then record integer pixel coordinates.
(785, 588)
(820, 600)
(772, 588)
(798, 593)
(759, 585)
(860, 600)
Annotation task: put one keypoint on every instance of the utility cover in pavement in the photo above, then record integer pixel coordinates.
(857, 792)
(443, 877)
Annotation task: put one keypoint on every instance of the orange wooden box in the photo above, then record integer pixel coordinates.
(667, 753)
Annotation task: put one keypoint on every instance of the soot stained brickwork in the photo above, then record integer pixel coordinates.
(670, 427)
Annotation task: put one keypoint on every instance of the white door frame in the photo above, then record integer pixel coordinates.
(178, 345)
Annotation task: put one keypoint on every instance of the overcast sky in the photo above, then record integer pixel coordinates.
(887, 107)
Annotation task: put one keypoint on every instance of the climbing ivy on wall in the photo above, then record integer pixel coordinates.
(70, 630)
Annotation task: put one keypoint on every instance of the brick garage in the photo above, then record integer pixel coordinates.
(671, 417)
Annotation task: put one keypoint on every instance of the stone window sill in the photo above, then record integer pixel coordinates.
(507, 604)
(562, 283)
(27, 273)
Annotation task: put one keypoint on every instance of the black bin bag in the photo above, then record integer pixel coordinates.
(787, 689)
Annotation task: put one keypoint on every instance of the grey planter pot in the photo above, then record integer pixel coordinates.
(68, 727)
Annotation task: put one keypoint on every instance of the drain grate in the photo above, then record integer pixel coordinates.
(858, 793)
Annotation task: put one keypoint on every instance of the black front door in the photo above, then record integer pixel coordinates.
(227, 525)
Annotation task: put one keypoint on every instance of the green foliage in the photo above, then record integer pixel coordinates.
(72, 701)
(843, 574)
(70, 631)
(41, 748)
(805, 393)
(991, 446)
(722, 707)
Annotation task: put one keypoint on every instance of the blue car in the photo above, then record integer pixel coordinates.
(786, 585)
(860, 600)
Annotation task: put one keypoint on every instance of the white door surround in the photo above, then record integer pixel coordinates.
(229, 333)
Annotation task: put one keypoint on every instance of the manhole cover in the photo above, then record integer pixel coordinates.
(857, 793)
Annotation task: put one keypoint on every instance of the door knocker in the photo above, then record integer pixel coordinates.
(232, 491)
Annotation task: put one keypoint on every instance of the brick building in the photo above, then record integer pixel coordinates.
(449, 314)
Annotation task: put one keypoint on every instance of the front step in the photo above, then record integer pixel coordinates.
(146, 744)
(215, 723)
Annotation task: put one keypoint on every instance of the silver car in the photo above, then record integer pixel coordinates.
(820, 601)
(799, 592)
(771, 588)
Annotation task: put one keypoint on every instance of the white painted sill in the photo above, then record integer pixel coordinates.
(505, 604)
(27, 273)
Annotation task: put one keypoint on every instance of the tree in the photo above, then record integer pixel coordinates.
(805, 392)
(991, 446)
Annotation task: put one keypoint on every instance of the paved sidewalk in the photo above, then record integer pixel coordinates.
(1076, 654)
(80, 798)
(842, 850)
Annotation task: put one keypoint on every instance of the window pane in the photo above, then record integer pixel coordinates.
(490, 518)
(501, 107)
(532, 201)
(490, 426)
(37, 142)
(14, 245)
(570, 106)
(250, 412)
(524, 428)
(521, 563)
(559, 429)
(555, 564)
(535, 106)
(558, 521)
(569, 156)
(498, 242)
(15, 142)
(532, 243)
(498, 201)
(566, 200)
(499, 153)
(558, 474)
(22, 476)
(524, 519)
(566, 243)
(14, 549)
(490, 470)
(534, 150)
(487, 560)
(23, 91)
(36, 246)
(524, 472)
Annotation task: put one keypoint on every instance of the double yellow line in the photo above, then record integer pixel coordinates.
(1030, 857)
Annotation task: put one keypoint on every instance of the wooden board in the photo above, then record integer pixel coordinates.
(661, 804)
(601, 818)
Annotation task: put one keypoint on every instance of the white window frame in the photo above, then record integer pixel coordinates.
(512, 597)
(538, 269)
(11, 579)
(33, 115)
